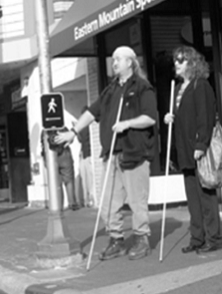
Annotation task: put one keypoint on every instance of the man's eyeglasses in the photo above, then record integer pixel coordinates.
(180, 60)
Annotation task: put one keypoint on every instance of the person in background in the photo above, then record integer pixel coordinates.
(194, 118)
(65, 167)
(133, 151)
(86, 173)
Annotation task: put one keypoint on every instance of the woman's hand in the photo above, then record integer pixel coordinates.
(198, 154)
(169, 118)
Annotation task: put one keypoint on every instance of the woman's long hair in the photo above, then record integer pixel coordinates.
(196, 64)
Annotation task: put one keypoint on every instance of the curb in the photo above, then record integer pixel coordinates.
(157, 284)
(14, 283)
(47, 289)
(160, 283)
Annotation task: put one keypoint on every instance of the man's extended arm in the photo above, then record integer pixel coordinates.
(85, 119)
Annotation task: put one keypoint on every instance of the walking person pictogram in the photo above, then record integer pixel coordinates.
(52, 105)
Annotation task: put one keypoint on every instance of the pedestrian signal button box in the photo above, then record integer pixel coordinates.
(52, 111)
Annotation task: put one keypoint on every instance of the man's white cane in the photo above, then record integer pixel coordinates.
(104, 185)
(167, 169)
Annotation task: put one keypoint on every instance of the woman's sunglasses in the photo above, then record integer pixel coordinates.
(180, 60)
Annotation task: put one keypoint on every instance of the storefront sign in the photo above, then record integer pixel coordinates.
(110, 15)
(94, 17)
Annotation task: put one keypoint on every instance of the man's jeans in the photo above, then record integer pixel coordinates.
(131, 185)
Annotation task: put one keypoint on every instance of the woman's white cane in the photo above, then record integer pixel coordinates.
(167, 169)
(104, 185)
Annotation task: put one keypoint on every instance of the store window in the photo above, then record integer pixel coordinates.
(127, 34)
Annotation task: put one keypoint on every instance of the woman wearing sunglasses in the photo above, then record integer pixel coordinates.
(194, 119)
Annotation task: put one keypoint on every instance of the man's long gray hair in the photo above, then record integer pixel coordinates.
(137, 68)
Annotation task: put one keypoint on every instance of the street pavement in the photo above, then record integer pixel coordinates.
(22, 271)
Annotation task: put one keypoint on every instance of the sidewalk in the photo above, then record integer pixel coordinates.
(21, 229)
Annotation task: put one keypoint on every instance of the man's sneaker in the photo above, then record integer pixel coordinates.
(141, 247)
(115, 248)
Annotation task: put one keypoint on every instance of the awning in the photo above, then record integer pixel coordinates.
(86, 18)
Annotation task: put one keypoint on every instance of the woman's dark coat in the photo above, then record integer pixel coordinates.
(194, 121)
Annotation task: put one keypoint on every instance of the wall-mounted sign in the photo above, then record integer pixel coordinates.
(94, 17)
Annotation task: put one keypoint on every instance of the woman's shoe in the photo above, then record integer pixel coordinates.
(190, 248)
(207, 247)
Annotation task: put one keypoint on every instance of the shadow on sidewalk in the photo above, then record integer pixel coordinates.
(171, 225)
(9, 215)
(88, 240)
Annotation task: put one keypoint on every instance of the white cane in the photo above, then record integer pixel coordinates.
(167, 170)
(104, 184)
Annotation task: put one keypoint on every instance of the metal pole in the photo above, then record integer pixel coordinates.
(43, 43)
(57, 242)
(46, 87)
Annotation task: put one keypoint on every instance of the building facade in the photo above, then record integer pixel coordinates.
(83, 35)
(23, 176)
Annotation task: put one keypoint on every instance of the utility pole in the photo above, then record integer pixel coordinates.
(57, 242)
